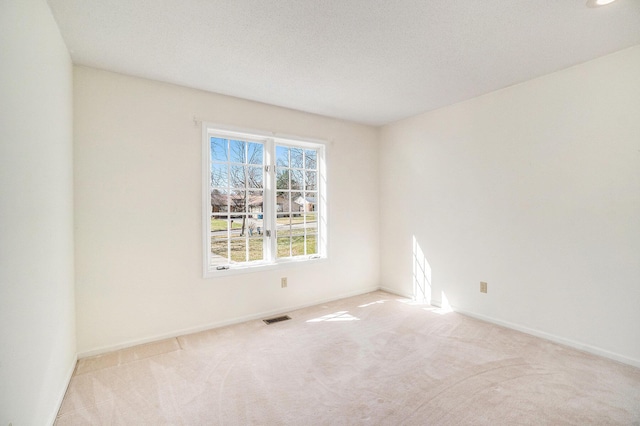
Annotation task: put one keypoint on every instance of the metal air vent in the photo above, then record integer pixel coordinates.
(277, 319)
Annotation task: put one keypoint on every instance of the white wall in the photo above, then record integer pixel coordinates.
(37, 320)
(138, 212)
(534, 189)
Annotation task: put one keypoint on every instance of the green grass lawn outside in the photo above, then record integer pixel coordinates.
(297, 245)
(221, 224)
(285, 248)
(296, 219)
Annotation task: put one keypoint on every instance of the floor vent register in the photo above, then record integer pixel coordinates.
(277, 319)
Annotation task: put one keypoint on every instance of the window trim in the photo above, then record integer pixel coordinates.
(269, 140)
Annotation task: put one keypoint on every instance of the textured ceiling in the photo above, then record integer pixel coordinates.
(368, 61)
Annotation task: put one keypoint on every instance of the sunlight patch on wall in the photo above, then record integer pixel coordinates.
(445, 306)
(445, 302)
(421, 275)
(444, 309)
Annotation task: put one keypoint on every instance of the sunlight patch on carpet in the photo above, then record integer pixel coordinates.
(372, 303)
(337, 316)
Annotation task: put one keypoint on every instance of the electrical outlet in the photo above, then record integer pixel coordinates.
(283, 282)
(483, 287)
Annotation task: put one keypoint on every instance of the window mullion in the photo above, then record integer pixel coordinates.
(228, 198)
(270, 203)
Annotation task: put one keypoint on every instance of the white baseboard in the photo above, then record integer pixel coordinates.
(396, 292)
(110, 348)
(548, 336)
(63, 391)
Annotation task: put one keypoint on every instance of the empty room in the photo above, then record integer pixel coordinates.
(319, 212)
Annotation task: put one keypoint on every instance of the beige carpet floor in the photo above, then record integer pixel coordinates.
(372, 359)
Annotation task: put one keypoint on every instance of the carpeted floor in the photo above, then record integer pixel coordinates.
(370, 359)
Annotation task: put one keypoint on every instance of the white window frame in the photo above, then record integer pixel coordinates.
(269, 200)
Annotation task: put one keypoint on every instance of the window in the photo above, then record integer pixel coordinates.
(264, 200)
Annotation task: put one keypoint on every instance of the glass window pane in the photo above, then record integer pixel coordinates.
(311, 201)
(282, 156)
(297, 245)
(311, 181)
(296, 179)
(297, 202)
(218, 149)
(236, 225)
(237, 151)
(283, 247)
(219, 226)
(283, 225)
(256, 153)
(283, 202)
(282, 178)
(283, 231)
(219, 253)
(219, 200)
(312, 244)
(219, 175)
(297, 227)
(297, 157)
(256, 204)
(237, 176)
(252, 224)
(249, 225)
(238, 201)
(311, 222)
(239, 249)
(311, 158)
(255, 249)
(254, 177)
(280, 200)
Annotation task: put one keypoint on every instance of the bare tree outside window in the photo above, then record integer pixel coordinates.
(296, 183)
(240, 228)
(237, 184)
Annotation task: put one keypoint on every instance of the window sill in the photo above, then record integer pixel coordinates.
(262, 267)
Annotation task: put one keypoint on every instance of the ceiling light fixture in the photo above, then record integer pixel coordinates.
(598, 3)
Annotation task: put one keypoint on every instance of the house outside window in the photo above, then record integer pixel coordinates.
(264, 200)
